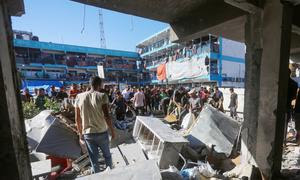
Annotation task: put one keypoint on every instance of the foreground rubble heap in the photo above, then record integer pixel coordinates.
(50, 135)
(153, 151)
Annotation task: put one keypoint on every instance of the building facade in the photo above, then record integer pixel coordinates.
(46, 63)
(208, 60)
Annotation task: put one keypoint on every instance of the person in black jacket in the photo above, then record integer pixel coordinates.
(120, 104)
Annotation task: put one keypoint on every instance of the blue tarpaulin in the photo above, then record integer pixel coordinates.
(32, 84)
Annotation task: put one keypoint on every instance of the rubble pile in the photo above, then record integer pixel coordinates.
(147, 147)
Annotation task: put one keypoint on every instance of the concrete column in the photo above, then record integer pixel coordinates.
(273, 87)
(253, 41)
(14, 157)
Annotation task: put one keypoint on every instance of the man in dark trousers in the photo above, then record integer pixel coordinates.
(233, 105)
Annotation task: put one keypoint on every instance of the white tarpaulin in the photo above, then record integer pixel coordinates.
(188, 68)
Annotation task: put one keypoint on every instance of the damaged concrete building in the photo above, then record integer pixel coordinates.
(269, 28)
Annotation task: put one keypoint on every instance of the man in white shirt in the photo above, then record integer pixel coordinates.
(126, 93)
(139, 101)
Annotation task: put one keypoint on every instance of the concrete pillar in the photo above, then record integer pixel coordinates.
(273, 87)
(14, 157)
(253, 41)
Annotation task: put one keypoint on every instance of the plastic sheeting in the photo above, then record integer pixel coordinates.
(186, 69)
(49, 135)
(214, 128)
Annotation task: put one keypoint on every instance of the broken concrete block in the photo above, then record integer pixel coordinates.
(145, 170)
(47, 134)
(132, 152)
(244, 171)
(214, 128)
(40, 168)
(158, 140)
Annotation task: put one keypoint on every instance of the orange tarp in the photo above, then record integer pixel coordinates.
(161, 72)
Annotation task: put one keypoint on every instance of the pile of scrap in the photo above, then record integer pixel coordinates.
(53, 138)
(203, 148)
(48, 134)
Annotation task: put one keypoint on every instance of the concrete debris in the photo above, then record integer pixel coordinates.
(81, 162)
(291, 158)
(40, 169)
(146, 170)
(158, 140)
(35, 156)
(214, 129)
(171, 174)
(166, 175)
(212, 137)
(49, 135)
(246, 171)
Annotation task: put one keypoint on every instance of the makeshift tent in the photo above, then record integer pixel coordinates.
(49, 135)
(161, 72)
(214, 128)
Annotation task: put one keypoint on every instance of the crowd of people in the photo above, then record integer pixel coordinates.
(39, 95)
(144, 100)
(148, 100)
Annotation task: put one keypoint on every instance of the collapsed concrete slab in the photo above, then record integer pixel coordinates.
(49, 135)
(158, 140)
(146, 170)
(213, 127)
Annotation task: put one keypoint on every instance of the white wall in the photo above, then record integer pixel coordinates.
(233, 48)
(240, 92)
(233, 69)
